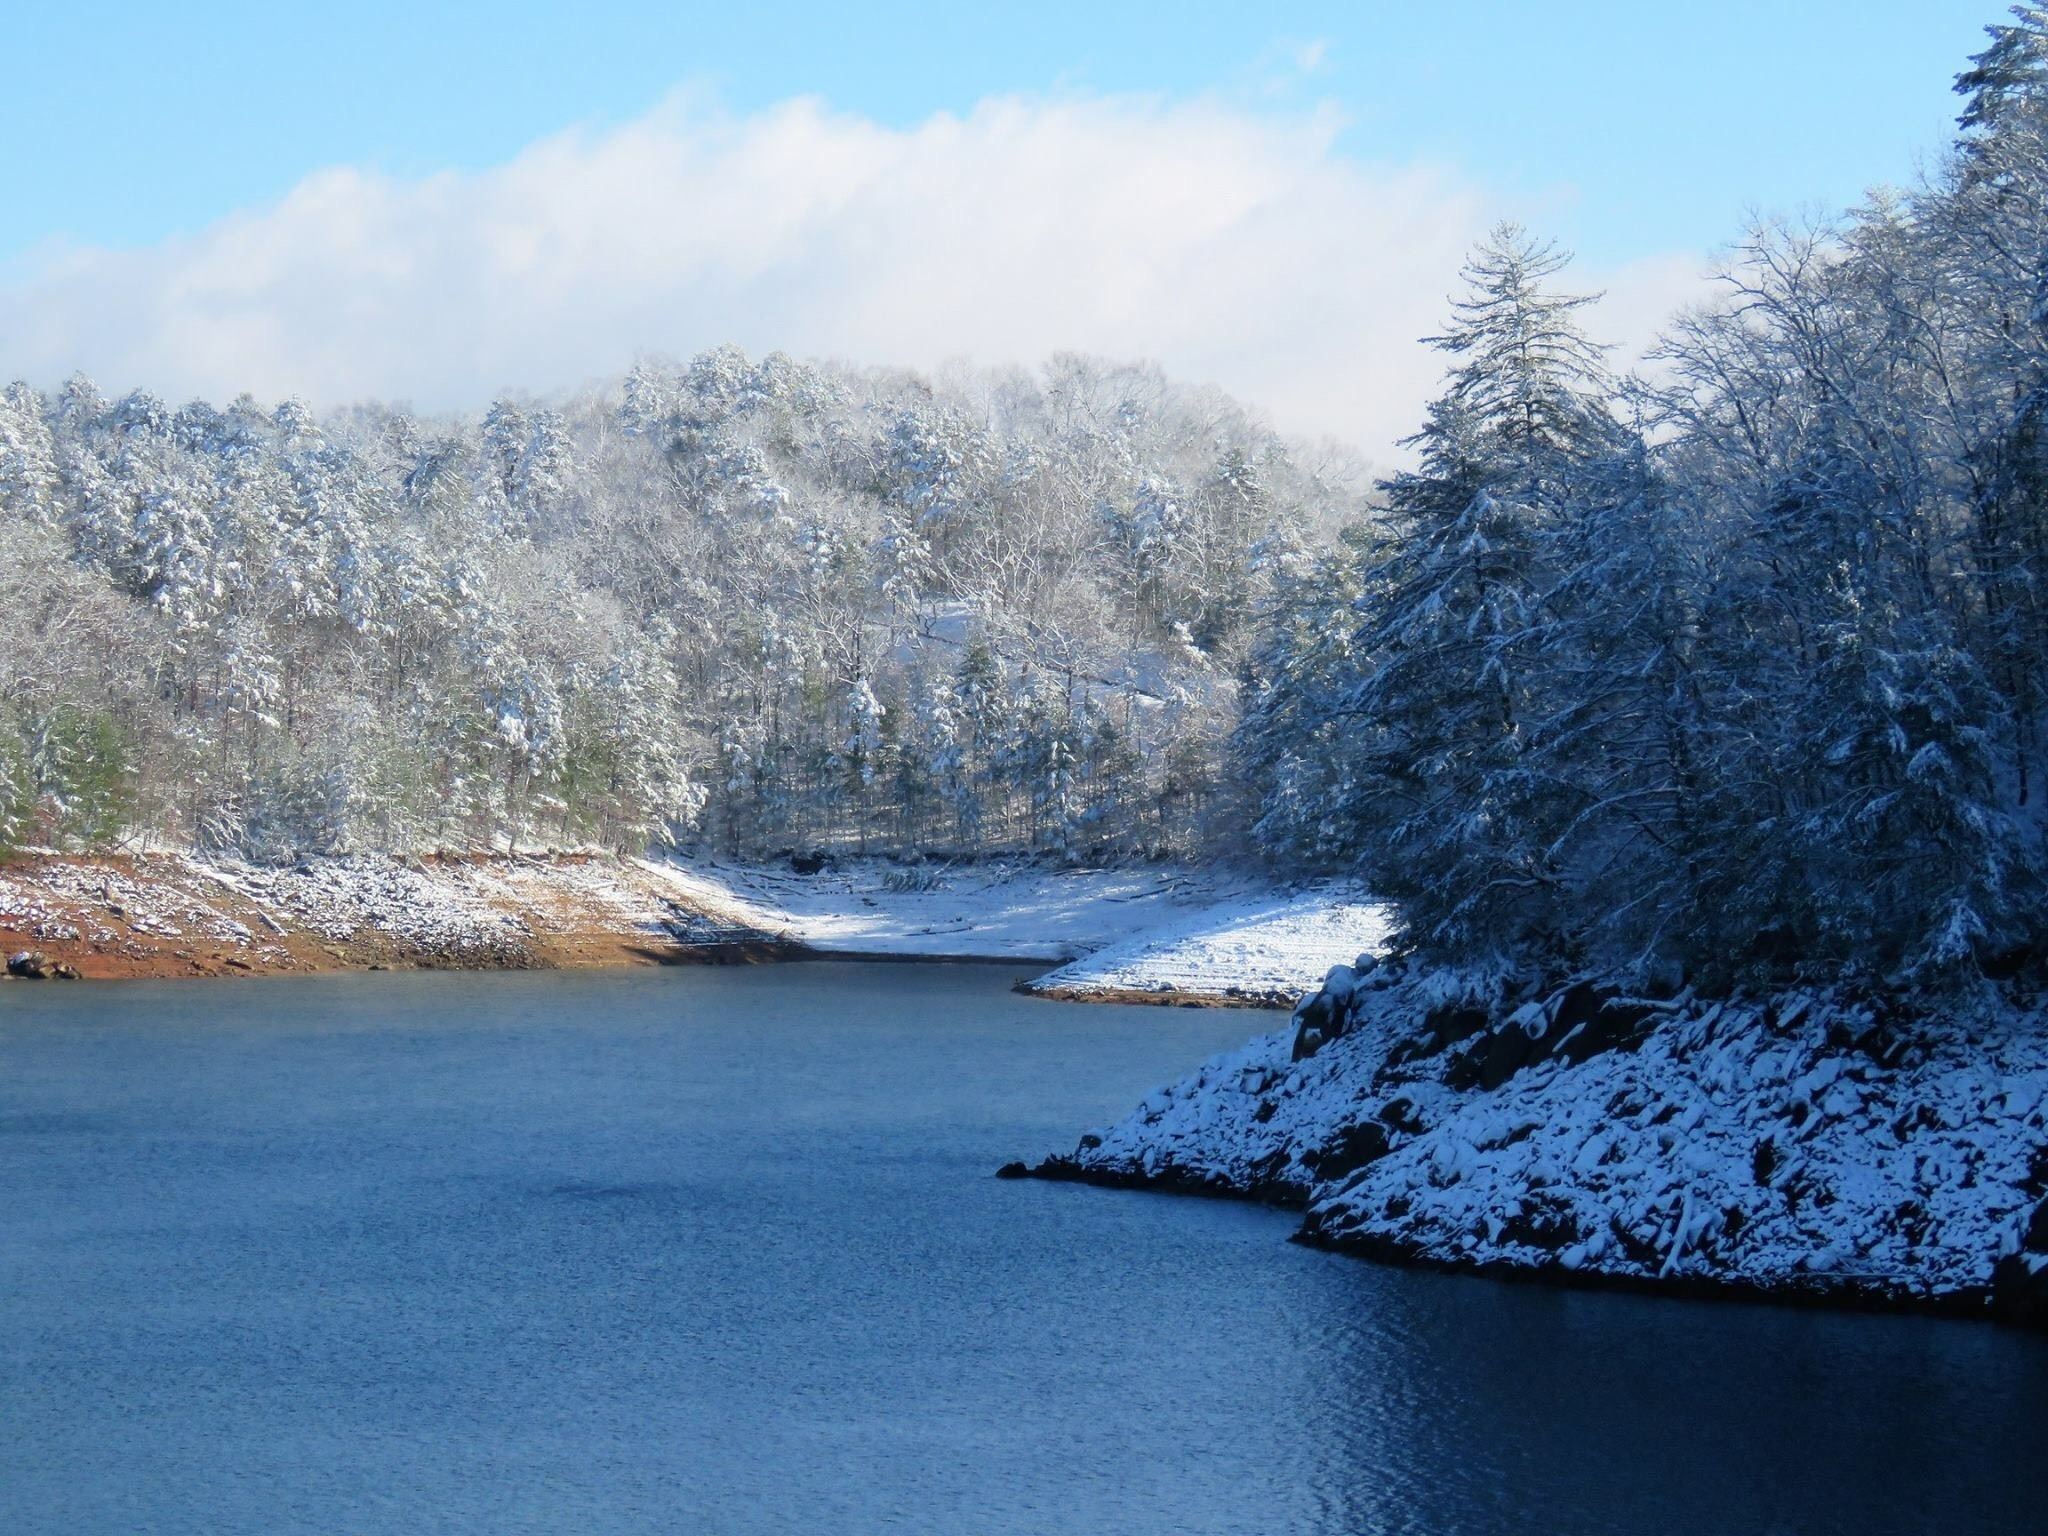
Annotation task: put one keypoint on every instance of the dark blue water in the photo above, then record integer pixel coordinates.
(718, 1251)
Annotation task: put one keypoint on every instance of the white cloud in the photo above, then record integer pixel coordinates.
(1231, 246)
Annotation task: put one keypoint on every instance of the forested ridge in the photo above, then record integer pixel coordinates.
(767, 602)
(1732, 668)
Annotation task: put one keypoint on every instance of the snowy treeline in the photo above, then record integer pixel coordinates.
(1737, 665)
(1737, 670)
(774, 603)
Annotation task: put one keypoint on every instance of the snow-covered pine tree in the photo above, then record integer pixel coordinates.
(28, 457)
(1446, 804)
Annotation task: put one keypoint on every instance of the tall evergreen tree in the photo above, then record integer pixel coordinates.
(1452, 810)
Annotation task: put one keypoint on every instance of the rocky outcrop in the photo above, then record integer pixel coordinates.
(34, 965)
(1806, 1146)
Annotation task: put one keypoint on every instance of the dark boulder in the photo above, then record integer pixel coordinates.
(1541, 1221)
(1576, 1026)
(1589, 1021)
(1442, 1027)
(1462, 1071)
(29, 964)
(1348, 1151)
(1507, 1052)
(1450, 1025)
(1491, 1060)
(1400, 1115)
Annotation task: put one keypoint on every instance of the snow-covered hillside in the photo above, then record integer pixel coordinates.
(1804, 1145)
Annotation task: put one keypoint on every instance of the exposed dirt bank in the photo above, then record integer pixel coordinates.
(162, 915)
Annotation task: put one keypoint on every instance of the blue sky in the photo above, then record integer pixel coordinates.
(1653, 125)
(171, 147)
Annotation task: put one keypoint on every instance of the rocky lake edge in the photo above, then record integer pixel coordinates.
(1813, 1146)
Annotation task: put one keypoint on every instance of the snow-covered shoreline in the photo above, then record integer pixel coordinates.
(1137, 933)
(1260, 949)
(1808, 1146)
(168, 914)
(1813, 1146)
(1151, 933)
(999, 910)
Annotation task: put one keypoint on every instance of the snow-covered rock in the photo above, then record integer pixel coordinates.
(1804, 1144)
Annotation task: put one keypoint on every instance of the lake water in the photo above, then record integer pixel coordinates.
(719, 1251)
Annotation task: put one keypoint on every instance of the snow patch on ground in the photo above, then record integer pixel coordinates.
(1262, 947)
(994, 911)
(1121, 933)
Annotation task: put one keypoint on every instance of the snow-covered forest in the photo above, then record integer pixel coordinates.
(1735, 665)
(766, 602)
(1736, 668)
